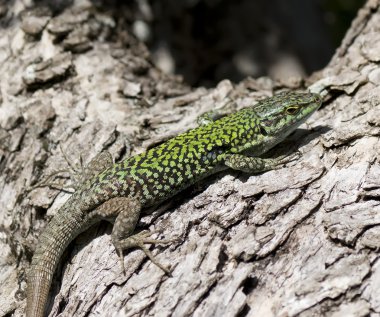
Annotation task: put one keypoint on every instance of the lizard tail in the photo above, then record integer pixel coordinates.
(61, 230)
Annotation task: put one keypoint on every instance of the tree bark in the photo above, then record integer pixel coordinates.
(299, 241)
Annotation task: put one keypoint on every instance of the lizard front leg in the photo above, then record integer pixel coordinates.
(213, 115)
(251, 164)
(127, 212)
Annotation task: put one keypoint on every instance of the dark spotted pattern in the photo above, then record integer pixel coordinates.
(168, 168)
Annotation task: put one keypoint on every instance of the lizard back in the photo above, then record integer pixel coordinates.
(180, 162)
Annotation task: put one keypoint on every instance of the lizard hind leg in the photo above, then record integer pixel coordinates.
(98, 164)
(127, 212)
(77, 175)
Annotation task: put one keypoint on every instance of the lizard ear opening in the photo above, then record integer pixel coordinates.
(263, 131)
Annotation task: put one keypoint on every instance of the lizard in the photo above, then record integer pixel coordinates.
(120, 192)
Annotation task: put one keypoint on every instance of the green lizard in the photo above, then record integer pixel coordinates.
(119, 192)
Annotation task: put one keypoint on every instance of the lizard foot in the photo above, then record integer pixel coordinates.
(284, 159)
(139, 240)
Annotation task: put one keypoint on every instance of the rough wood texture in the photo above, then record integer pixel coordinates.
(300, 241)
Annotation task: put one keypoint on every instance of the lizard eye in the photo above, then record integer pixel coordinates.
(292, 110)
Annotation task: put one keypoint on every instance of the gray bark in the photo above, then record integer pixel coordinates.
(299, 241)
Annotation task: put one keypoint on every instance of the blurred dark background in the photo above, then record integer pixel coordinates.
(210, 40)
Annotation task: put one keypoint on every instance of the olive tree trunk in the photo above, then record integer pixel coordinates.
(299, 241)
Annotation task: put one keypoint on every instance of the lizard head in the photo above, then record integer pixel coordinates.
(284, 112)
